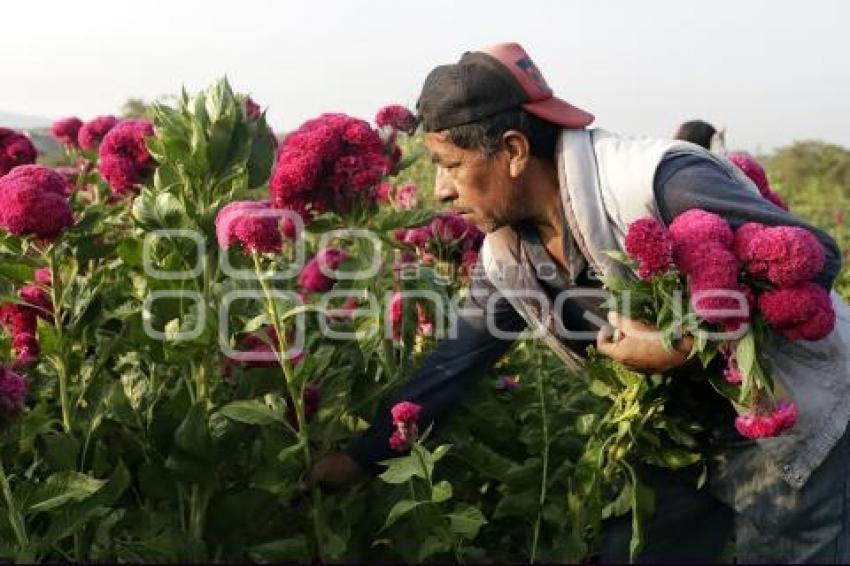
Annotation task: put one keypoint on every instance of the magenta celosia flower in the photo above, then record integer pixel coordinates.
(713, 283)
(20, 322)
(330, 162)
(407, 196)
(405, 412)
(66, 130)
(13, 393)
(799, 313)
(696, 227)
(766, 425)
(15, 149)
(753, 169)
(650, 244)
(397, 117)
(124, 157)
(311, 278)
(405, 417)
(743, 237)
(786, 255)
(255, 225)
(33, 202)
(252, 109)
(384, 193)
(93, 131)
(732, 373)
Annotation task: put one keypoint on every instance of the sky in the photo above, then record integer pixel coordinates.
(771, 72)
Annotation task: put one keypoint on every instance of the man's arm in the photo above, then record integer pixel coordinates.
(685, 181)
(447, 374)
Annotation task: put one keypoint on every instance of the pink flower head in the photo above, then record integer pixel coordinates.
(732, 373)
(15, 149)
(405, 412)
(252, 109)
(311, 278)
(799, 313)
(405, 418)
(766, 425)
(696, 227)
(332, 162)
(743, 237)
(397, 117)
(713, 283)
(93, 131)
(786, 255)
(33, 202)
(13, 392)
(649, 242)
(407, 196)
(398, 442)
(753, 169)
(20, 322)
(124, 158)
(384, 193)
(255, 225)
(65, 130)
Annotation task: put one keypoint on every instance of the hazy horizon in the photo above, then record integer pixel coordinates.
(770, 72)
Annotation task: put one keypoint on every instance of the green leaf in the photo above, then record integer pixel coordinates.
(440, 451)
(399, 470)
(252, 412)
(466, 521)
(403, 219)
(599, 388)
(62, 488)
(442, 491)
(400, 509)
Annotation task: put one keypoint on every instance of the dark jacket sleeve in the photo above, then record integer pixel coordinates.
(446, 376)
(686, 181)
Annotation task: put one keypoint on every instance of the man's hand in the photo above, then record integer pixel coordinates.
(638, 346)
(336, 469)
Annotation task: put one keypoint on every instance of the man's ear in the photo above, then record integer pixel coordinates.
(518, 151)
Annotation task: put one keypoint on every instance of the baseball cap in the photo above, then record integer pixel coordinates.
(490, 81)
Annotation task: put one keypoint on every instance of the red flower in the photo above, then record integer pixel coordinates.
(251, 225)
(799, 313)
(405, 418)
(648, 242)
(757, 425)
(252, 109)
(13, 393)
(65, 130)
(124, 157)
(15, 149)
(397, 117)
(743, 237)
(786, 255)
(93, 131)
(752, 169)
(405, 412)
(311, 278)
(696, 227)
(33, 202)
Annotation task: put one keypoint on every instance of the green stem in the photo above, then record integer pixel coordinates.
(15, 517)
(61, 367)
(544, 477)
(296, 395)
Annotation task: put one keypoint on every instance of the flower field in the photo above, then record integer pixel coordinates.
(193, 312)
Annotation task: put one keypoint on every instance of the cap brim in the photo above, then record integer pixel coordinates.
(559, 112)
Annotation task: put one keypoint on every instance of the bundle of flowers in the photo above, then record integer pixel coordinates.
(738, 283)
(15, 149)
(91, 133)
(124, 158)
(330, 163)
(752, 169)
(34, 202)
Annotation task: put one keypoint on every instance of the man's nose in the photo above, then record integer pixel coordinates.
(444, 189)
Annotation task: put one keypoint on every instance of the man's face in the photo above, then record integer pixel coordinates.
(480, 188)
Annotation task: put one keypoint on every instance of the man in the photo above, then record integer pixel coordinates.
(520, 164)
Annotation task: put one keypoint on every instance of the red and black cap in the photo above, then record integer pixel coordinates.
(490, 81)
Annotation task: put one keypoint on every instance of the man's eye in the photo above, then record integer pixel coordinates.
(452, 165)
